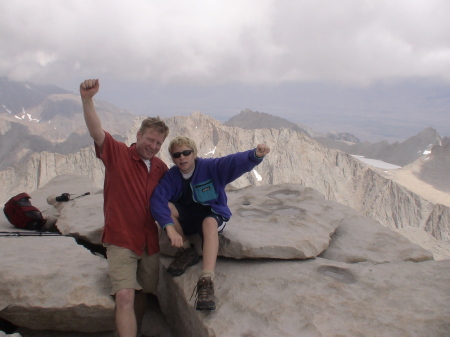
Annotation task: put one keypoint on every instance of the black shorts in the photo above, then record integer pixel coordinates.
(191, 220)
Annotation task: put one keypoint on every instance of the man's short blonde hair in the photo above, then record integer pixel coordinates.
(156, 124)
(180, 141)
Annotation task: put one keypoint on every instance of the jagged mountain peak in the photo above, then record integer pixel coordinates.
(17, 96)
(343, 136)
(248, 119)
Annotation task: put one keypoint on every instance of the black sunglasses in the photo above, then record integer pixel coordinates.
(184, 153)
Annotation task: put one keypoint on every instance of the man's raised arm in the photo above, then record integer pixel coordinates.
(88, 89)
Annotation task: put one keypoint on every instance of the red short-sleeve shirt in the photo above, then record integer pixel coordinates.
(127, 190)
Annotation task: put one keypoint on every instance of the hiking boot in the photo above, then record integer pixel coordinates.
(205, 294)
(184, 258)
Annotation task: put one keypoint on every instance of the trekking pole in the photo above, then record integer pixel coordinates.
(82, 195)
(65, 197)
(37, 233)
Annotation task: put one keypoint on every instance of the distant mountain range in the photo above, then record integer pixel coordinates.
(400, 154)
(36, 118)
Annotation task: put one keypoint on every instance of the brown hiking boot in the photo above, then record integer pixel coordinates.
(205, 294)
(184, 258)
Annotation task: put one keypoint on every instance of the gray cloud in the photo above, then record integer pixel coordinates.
(213, 42)
(341, 65)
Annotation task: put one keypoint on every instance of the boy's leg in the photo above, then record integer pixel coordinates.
(205, 285)
(186, 255)
(210, 244)
(175, 215)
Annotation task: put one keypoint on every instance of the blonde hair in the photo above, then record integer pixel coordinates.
(155, 123)
(180, 141)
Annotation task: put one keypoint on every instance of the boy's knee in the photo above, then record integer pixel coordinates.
(210, 223)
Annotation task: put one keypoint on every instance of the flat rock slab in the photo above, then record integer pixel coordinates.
(83, 218)
(361, 239)
(281, 222)
(314, 298)
(153, 324)
(75, 185)
(54, 283)
(289, 221)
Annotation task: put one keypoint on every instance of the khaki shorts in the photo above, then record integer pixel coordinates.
(127, 270)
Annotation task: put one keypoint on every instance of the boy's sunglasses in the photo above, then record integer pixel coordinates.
(184, 153)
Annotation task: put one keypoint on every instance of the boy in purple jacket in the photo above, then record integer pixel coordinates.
(191, 199)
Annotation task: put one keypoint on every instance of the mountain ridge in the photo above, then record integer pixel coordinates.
(295, 158)
(47, 118)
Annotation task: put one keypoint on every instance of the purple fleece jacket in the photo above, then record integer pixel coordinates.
(210, 177)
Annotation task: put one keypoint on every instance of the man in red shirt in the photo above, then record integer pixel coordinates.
(130, 233)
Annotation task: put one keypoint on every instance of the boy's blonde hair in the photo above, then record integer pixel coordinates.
(180, 141)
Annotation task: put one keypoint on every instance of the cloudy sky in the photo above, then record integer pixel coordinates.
(379, 69)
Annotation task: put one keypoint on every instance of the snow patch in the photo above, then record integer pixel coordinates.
(7, 110)
(257, 175)
(24, 114)
(377, 163)
(211, 151)
(32, 119)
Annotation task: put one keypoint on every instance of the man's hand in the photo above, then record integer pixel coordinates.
(262, 150)
(89, 88)
(175, 239)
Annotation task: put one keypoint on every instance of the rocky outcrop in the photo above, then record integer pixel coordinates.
(52, 283)
(44, 166)
(291, 263)
(314, 298)
(438, 223)
(294, 158)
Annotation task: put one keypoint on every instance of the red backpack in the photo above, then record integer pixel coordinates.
(19, 212)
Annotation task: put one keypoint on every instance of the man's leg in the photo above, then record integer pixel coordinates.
(140, 304)
(125, 315)
(148, 277)
(122, 265)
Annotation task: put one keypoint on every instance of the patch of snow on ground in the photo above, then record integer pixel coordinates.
(377, 163)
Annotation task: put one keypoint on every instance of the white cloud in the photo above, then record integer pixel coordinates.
(210, 42)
